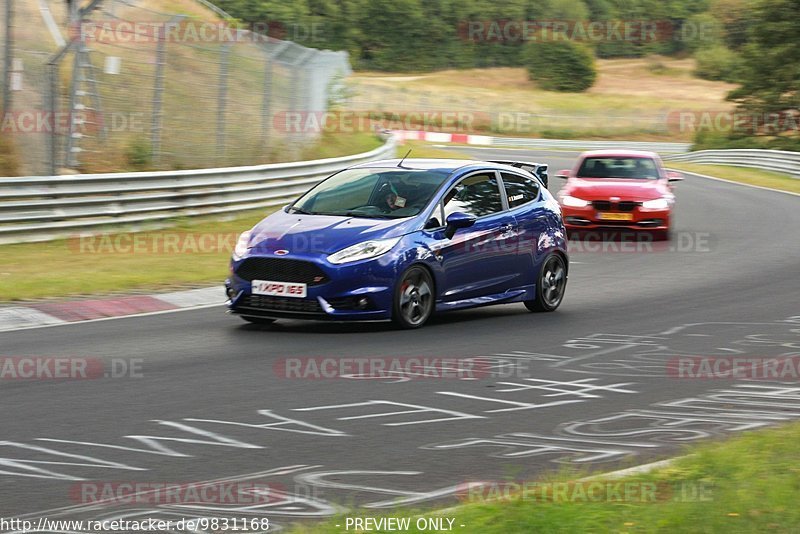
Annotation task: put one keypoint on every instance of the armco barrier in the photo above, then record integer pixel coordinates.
(769, 160)
(42, 208)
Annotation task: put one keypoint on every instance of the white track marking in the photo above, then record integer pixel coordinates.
(453, 415)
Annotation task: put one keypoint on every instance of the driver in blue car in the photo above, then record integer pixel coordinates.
(393, 200)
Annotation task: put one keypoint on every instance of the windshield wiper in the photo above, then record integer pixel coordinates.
(363, 215)
(301, 211)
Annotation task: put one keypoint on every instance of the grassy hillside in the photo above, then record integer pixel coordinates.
(632, 99)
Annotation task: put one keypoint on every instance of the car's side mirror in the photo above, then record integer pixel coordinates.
(456, 221)
(432, 223)
(563, 174)
(673, 176)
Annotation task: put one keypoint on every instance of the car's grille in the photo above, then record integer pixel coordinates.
(605, 205)
(281, 270)
(284, 304)
(627, 205)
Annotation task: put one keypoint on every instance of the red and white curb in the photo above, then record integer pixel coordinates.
(535, 143)
(61, 312)
(441, 137)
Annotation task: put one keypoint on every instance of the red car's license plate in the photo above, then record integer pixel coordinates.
(605, 216)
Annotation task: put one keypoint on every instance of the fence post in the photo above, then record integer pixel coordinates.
(7, 55)
(51, 103)
(222, 97)
(52, 108)
(266, 99)
(158, 91)
(297, 104)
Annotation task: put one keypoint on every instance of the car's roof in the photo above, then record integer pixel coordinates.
(619, 153)
(430, 164)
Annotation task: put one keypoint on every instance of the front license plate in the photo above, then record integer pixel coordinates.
(603, 216)
(279, 289)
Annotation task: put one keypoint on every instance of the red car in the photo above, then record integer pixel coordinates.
(618, 189)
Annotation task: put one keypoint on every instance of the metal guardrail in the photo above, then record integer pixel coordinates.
(769, 160)
(522, 142)
(42, 208)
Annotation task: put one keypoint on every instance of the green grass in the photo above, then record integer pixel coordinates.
(743, 175)
(109, 263)
(334, 145)
(750, 483)
(103, 264)
(9, 158)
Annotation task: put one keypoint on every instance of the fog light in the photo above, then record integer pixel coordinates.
(362, 303)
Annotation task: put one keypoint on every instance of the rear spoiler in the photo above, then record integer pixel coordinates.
(537, 169)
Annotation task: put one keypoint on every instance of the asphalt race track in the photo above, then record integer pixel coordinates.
(587, 386)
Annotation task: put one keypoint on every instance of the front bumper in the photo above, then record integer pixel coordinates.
(589, 218)
(359, 291)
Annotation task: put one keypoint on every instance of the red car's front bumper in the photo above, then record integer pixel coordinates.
(639, 218)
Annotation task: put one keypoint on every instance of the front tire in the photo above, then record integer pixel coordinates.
(550, 285)
(413, 298)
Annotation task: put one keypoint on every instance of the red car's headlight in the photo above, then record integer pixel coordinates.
(657, 204)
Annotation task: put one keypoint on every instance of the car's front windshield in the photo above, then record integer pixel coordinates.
(639, 168)
(372, 193)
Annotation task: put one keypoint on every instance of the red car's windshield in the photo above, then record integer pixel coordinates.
(640, 168)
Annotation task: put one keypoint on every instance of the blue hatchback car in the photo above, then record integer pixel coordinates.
(402, 239)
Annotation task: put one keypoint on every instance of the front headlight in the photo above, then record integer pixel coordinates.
(657, 204)
(241, 245)
(574, 202)
(363, 251)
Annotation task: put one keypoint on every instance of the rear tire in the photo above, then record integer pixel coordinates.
(414, 300)
(550, 285)
(258, 320)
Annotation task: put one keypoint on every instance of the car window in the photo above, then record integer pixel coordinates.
(476, 195)
(519, 190)
(372, 193)
(619, 167)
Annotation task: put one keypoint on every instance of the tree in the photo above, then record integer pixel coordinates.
(771, 74)
(560, 65)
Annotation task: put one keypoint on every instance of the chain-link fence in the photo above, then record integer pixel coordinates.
(24, 119)
(136, 87)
